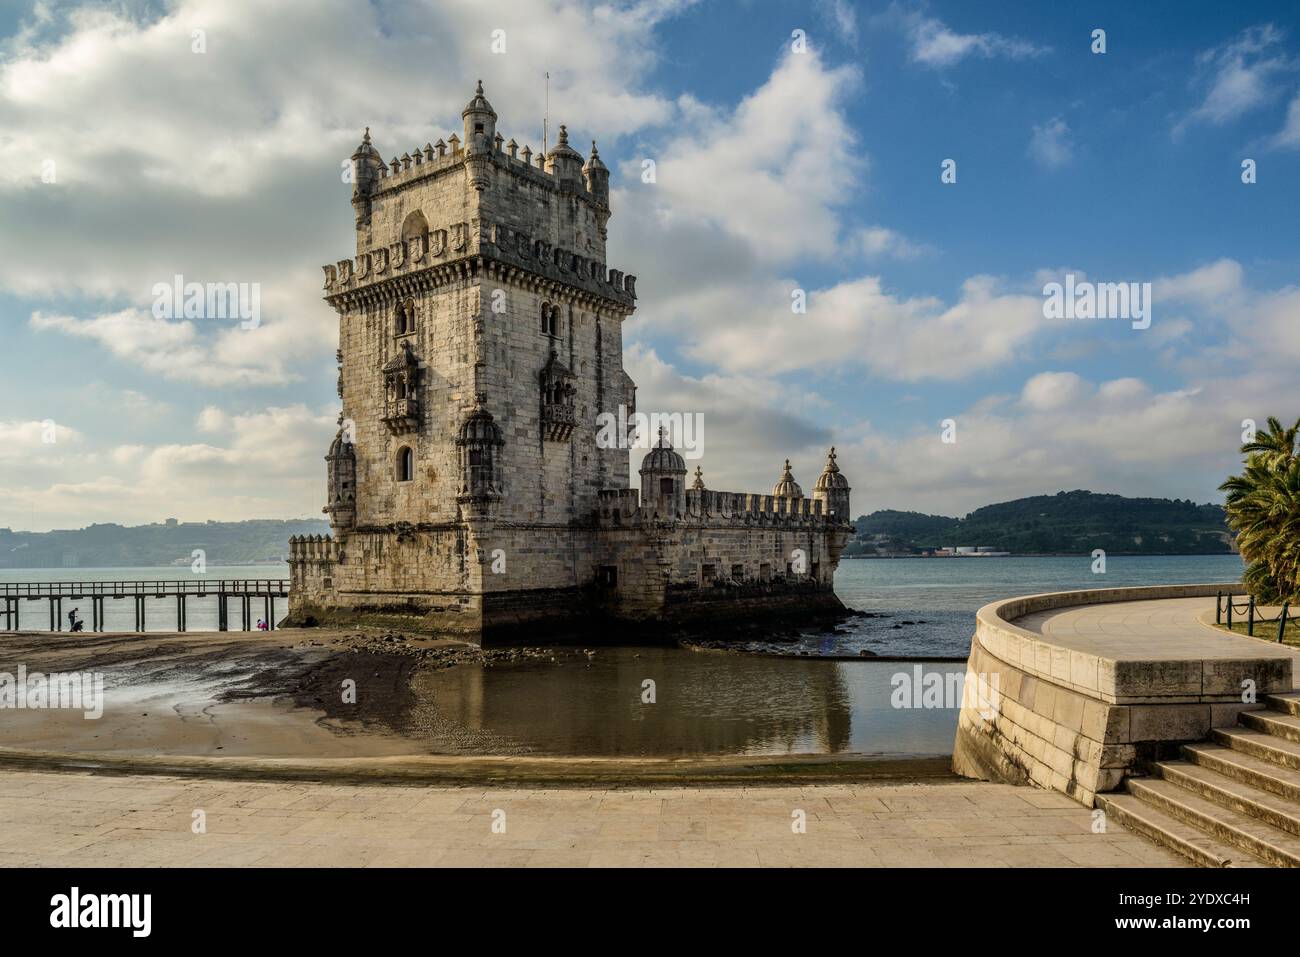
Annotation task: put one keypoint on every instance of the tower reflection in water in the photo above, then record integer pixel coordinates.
(703, 704)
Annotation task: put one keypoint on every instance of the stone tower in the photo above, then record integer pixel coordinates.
(481, 293)
(471, 487)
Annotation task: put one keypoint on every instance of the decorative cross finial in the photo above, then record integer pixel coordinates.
(366, 139)
(663, 432)
(564, 135)
(478, 90)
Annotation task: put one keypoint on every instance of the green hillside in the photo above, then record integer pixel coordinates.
(1064, 523)
(112, 546)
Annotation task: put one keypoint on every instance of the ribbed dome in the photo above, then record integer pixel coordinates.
(479, 104)
(662, 458)
(831, 476)
(365, 149)
(479, 428)
(562, 148)
(787, 487)
(594, 162)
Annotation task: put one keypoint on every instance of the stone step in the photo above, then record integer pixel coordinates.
(1192, 843)
(1288, 703)
(1246, 768)
(1254, 837)
(1232, 794)
(1259, 744)
(1272, 722)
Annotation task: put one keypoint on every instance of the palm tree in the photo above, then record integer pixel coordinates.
(1263, 507)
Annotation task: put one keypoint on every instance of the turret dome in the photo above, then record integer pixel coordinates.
(831, 476)
(787, 487)
(662, 458)
(478, 104)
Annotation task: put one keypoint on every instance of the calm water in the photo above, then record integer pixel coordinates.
(918, 606)
(927, 605)
(160, 613)
(706, 704)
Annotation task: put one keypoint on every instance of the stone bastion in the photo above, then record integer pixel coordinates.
(1083, 695)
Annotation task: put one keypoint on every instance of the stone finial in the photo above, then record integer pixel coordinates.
(497, 141)
(406, 161)
(428, 152)
(527, 154)
(441, 147)
(454, 142)
(698, 484)
(663, 438)
(512, 147)
(396, 165)
(541, 160)
(564, 135)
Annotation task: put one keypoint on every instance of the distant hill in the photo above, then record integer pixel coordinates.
(167, 543)
(1064, 523)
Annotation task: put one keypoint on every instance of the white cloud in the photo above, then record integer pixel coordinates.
(265, 464)
(226, 165)
(1050, 144)
(1239, 76)
(934, 44)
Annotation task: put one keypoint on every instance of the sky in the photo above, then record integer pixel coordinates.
(799, 151)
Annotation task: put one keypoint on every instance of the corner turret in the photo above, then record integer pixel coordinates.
(833, 492)
(565, 163)
(596, 174)
(663, 478)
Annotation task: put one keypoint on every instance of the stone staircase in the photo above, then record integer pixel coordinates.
(1232, 801)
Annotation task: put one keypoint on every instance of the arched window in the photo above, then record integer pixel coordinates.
(404, 318)
(550, 319)
(405, 464)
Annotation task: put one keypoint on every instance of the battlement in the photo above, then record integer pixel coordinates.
(437, 158)
(706, 506)
(313, 549)
(503, 247)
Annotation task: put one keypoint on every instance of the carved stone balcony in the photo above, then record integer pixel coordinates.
(402, 415)
(558, 422)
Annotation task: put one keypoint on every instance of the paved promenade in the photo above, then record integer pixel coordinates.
(77, 819)
(1170, 628)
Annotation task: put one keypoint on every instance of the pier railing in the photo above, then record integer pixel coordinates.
(14, 594)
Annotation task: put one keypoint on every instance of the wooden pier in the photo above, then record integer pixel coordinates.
(245, 591)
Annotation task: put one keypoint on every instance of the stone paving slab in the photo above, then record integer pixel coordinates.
(1165, 628)
(83, 819)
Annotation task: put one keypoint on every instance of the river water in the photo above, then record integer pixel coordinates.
(658, 701)
(917, 606)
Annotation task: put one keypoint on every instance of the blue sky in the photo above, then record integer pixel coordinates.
(779, 167)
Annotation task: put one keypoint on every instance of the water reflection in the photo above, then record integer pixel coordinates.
(705, 704)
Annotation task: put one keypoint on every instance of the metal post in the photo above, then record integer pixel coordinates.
(1250, 617)
(1218, 607)
(1230, 611)
(268, 611)
(1281, 622)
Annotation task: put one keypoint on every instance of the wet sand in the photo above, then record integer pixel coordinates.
(273, 705)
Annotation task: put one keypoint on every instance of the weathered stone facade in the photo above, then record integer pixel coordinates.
(469, 491)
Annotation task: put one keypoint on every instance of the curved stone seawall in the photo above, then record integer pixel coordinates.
(1075, 712)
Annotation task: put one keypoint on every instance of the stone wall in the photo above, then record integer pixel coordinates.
(1077, 722)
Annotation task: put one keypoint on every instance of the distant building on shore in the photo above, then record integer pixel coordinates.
(474, 486)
